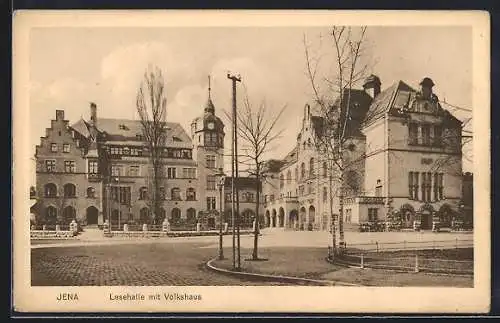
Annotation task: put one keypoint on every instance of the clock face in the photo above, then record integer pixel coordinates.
(211, 125)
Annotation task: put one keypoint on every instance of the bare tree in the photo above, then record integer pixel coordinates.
(257, 129)
(332, 94)
(151, 105)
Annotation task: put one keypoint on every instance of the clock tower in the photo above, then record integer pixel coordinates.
(207, 133)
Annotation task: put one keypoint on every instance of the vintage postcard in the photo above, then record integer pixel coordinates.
(251, 161)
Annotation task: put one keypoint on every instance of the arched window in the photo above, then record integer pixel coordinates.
(302, 170)
(91, 192)
(69, 190)
(176, 194)
(311, 167)
(143, 193)
(176, 215)
(325, 169)
(51, 215)
(191, 194)
(50, 190)
(161, 217)
(325, 194)
(191, 216)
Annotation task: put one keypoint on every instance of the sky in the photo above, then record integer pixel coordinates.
(71, 67)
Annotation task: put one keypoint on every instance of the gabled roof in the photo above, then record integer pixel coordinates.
(291, 157)
(399, 98)
(81, 127)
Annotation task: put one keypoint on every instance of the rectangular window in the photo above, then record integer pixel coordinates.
(428, 187)
(413, 133)
(211, 203)
(210, 161)
(413, 185)
(438, 135)
(134, 152)
(116, 170)
(53, 148)
(426, 135)
(423, 186)
(372, 214)
(250, 197)
(66, 148)
(441, 186)
(133, 171)
(50, 166)
(93, 167)
(211, 182)
(436, 187)
(228, 197)
(171, 172)
(69, 166)
(410, 185)
(378, 191)
(189, 172)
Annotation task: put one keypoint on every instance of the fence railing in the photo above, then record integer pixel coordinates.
(442, 256)
(379, 246)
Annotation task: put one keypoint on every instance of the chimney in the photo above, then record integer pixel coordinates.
(93, 113)
(59, 114)
(426, 87)
(372, 85)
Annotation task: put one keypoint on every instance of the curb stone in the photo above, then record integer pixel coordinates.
(278, 278)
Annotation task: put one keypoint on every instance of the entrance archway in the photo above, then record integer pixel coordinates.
(302, 217)
(293, 218)
(281, 217)
(445, 216)
(312, 214)
(92, 215)
(211, 222)
(273, 218)
(426, 213)
(69, 214)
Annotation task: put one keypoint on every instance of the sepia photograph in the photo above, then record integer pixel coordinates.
(331, 156)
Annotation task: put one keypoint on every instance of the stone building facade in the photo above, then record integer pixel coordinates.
(99, 169)
(403, 152)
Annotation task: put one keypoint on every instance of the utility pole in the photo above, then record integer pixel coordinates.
(234, 175)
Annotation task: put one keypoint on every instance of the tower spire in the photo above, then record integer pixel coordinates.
(209, 89)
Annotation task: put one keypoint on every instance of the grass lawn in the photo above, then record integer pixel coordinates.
(310, 263)
(51, 241)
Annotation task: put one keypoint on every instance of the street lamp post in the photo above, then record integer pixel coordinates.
(221, 212)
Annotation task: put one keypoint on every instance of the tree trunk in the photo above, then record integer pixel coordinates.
(334, 238)
(257, 225)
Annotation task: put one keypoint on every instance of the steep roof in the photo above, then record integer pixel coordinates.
(395, 96)
(398, 98)
(242, 182)
(291, 157)
(81, 127)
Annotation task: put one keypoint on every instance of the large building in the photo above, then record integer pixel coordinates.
(402, 153)
(98, 169)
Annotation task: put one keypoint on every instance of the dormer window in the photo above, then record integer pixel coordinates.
(177, 139)
(139, 137)
(122, 127)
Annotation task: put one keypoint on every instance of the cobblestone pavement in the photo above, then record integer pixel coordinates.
(153, 264)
